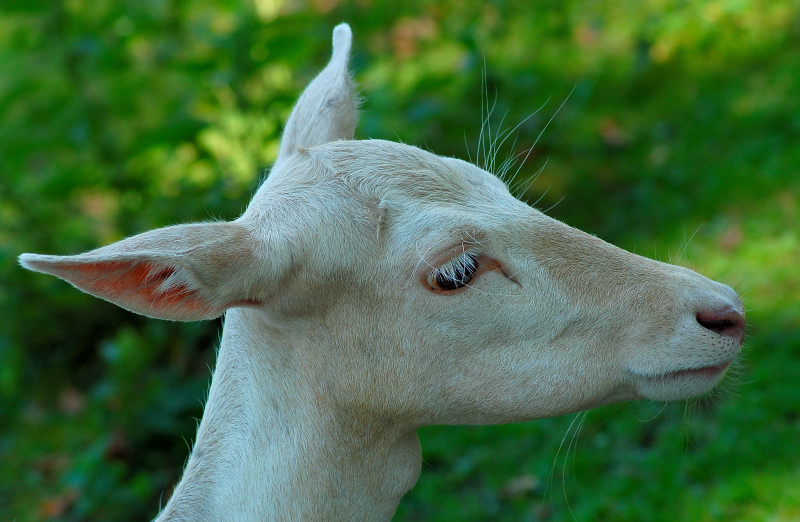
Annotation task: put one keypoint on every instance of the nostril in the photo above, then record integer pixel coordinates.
(728, 322)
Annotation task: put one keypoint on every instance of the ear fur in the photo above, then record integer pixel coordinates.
(182, 273)
(326, 111)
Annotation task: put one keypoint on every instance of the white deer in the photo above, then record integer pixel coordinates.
(371, 288)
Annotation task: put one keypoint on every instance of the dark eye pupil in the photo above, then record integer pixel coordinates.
(462, 273)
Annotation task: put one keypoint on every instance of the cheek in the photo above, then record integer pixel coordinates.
(483, 322)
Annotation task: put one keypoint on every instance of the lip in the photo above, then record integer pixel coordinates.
(680, 384)
(706, 372)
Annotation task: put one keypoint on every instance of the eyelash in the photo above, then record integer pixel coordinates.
(455, 274)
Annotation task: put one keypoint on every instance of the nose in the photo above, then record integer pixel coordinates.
(727, 321)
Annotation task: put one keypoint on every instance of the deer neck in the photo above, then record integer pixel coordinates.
(268, 448)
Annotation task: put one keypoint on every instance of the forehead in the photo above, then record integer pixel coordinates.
(383, 188)
(396, 172)
(375, 203)
(431, 202)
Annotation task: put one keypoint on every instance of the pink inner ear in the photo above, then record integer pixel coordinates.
(137, 285)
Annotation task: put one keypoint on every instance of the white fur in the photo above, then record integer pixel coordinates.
(336, 347)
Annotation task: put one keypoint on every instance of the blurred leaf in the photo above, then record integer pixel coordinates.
(679, 141)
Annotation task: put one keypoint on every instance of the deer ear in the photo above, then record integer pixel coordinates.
(183, 273)
(326, 111)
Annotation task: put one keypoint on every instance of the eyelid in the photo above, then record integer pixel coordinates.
(464, 259)
(447, 256)
(451, 269)
(452, 255)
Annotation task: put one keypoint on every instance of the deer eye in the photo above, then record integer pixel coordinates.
(455, 274)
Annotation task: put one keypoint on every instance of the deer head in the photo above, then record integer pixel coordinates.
(408, 289)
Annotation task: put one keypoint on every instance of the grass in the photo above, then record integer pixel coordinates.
(679, 142)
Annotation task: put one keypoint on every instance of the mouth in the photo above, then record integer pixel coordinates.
(681, 384)
(708, 372)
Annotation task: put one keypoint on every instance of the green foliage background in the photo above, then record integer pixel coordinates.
(680, 140)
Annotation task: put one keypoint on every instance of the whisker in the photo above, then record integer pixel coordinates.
(421, 260)
(573, 444)
(541, 133)
(554, 205)
(558, 452)
(529, 182)
(686, 242)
